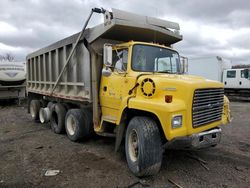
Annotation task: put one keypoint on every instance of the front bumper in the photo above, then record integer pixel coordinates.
(196, 141)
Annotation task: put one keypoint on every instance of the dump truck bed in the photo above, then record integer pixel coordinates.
(45, 65)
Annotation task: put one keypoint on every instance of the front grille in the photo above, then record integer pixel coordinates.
(207, 106)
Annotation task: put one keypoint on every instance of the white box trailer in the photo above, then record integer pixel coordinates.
(209, 67)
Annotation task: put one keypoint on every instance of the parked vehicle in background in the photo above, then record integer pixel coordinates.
(236, 81)
(12, 80)
(113, 80)
(209, 67)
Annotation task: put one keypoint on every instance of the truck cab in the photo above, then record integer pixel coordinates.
(145, 81)
(147, 77)
(236, 78)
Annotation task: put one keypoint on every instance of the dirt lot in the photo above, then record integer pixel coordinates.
(28, 149)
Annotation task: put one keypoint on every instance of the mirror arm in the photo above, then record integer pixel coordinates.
(106, 71)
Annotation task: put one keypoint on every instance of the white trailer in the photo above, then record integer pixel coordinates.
(12, 80)
(209, 67)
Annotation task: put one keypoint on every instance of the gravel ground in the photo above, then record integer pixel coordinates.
(28, 149)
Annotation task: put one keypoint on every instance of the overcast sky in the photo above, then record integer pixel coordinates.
(209, 28)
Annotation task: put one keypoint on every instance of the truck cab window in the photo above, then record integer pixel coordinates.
(148, 58)
(231, 74)
(244, 73)
(165, 64)
(120, 59)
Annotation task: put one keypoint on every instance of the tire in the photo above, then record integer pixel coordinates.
(44, 115)
(78, 124)
(144, 159)
(51, 105)
(57, 118)
(34, 109)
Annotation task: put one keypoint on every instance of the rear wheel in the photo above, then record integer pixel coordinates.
(34, 108)
(57, 118)
(44, 115)
(51, 105)
(78, 124)
(143, 146)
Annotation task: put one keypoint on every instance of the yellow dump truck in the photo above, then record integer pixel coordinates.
(123, 79)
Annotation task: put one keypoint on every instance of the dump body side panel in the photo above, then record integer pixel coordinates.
(43, 69)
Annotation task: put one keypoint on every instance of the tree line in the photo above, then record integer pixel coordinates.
(7, 57)
(241, 66)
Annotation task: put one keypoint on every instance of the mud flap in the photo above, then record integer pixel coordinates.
(119, 135)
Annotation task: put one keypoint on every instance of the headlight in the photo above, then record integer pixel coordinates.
(176, 121)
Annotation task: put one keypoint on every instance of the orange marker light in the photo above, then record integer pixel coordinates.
(168, 98)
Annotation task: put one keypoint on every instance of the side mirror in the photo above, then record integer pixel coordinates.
(183, 64)
(107, 55)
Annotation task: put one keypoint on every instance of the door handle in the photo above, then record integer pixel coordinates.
(240, 82)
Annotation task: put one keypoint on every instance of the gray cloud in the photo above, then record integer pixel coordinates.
(210, 28)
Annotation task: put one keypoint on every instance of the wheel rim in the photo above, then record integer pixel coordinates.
(41, 115)
(133, 143)
(32, 112)
(71, 125)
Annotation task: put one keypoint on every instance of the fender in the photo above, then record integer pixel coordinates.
(164, 112)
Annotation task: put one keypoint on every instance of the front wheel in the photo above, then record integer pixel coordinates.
(143, 146)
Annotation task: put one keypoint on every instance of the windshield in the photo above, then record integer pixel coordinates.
(245, 73)
(155, 59)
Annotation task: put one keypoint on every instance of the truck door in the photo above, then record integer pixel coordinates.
(230, 79)
(113, 87)
(244, 81)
